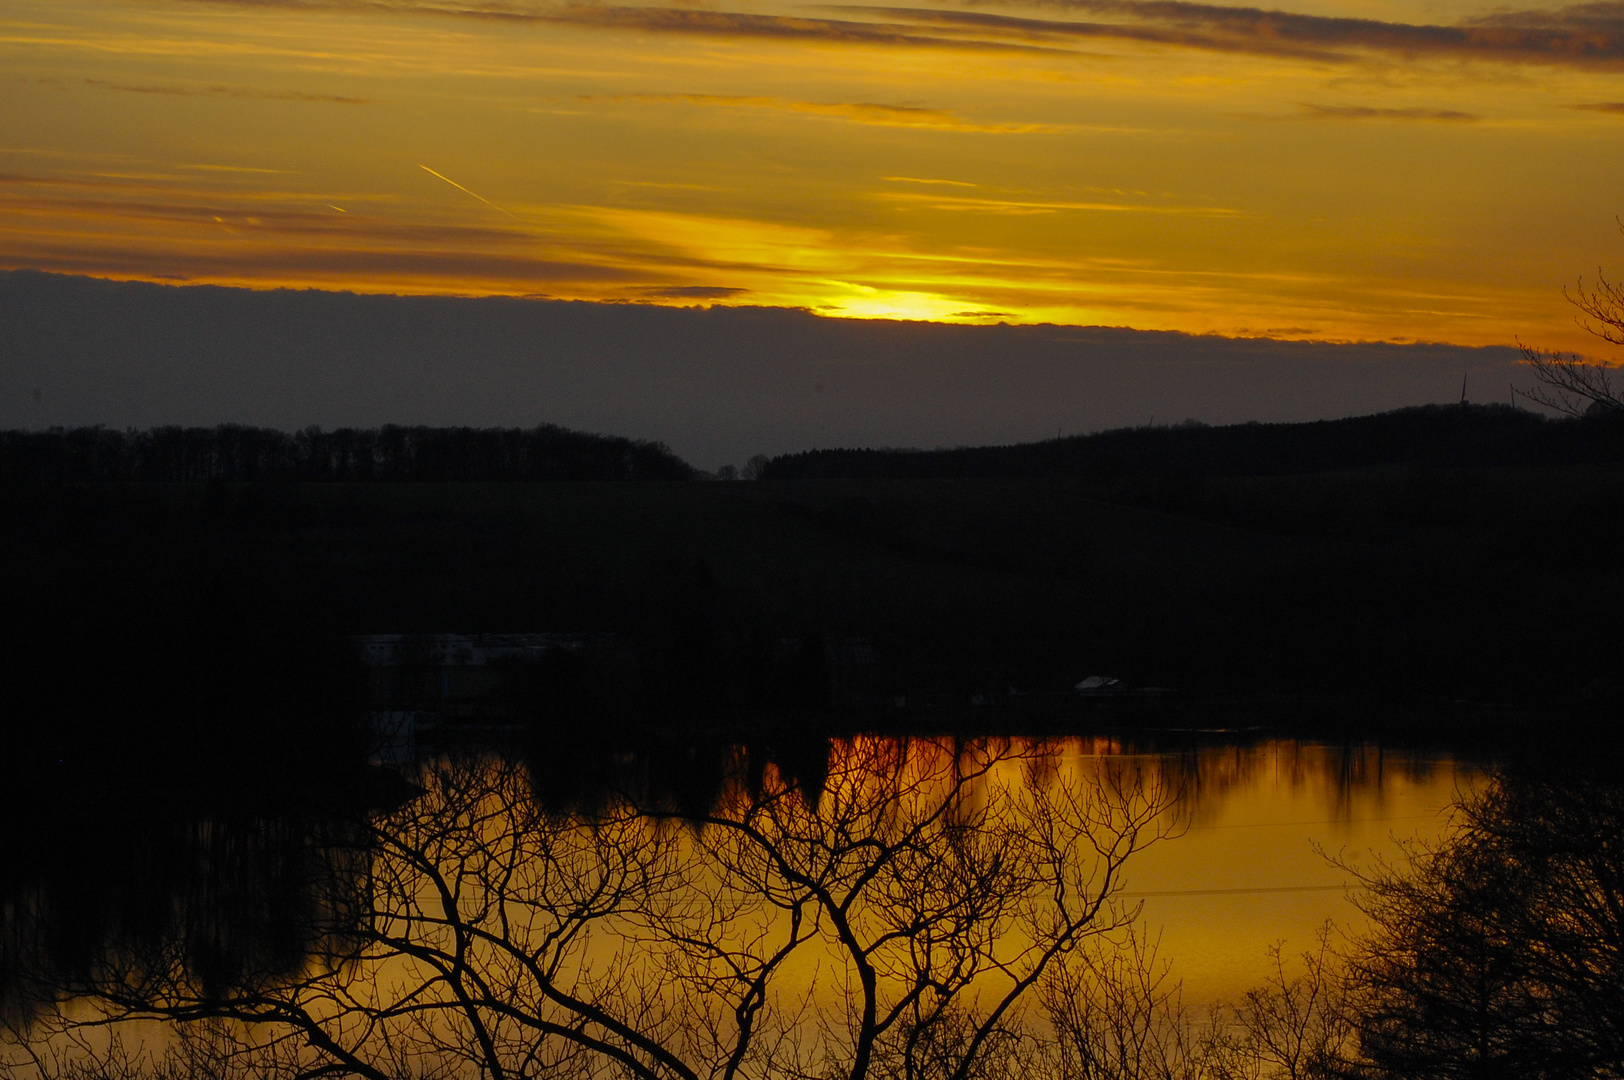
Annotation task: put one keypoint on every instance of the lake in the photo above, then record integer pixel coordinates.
(857, 905)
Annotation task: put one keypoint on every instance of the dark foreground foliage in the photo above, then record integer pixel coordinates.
(1500, 953)
(1494, 953)
(231, 452)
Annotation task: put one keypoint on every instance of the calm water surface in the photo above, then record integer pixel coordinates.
(659, 882)
(1253, 866)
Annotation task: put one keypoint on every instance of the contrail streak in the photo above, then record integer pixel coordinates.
(1237, 892)
(475, 194)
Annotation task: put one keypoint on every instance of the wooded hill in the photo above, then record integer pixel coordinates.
(1447, 436)
(234, 453)
(218, 613)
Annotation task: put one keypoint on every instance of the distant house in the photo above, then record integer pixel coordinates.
(1104, 686)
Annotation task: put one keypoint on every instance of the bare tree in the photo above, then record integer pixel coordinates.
(1116, 1014)
(892, 921)
(1500, 950)
(1569, 383)
(1293, 1027)
(941, 882)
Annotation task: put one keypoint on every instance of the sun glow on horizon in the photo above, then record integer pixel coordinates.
(939, 164)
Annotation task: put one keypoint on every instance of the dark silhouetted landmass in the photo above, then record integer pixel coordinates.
(231, 452)
(220, 615)
(1438, 436)
(1432, 561)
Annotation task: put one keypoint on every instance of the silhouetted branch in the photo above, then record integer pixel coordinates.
(1570, 384)
(942, 881)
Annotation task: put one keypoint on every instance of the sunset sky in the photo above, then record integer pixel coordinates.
(1408, 170)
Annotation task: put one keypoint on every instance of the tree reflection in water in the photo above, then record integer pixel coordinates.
(855, 908)
(884, 912)
(111, 895)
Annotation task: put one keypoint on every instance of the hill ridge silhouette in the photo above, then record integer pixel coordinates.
(1430, 435)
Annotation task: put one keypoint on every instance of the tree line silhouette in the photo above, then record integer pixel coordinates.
(232, 452)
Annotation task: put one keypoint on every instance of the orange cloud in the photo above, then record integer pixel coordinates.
(864, 112)
(1045, 206)
(231, 92)
(1365, 112)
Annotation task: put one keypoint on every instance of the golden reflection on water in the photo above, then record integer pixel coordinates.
(822, 889)
(1255, 834)
(1253, 865)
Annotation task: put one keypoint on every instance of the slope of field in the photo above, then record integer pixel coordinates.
(222, 608)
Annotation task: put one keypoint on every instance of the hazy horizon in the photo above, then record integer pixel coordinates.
(716, 384)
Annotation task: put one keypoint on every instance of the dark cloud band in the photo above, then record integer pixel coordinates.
(1588, 34)
(230, 92)
(1584, 35)
(1365, 112)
